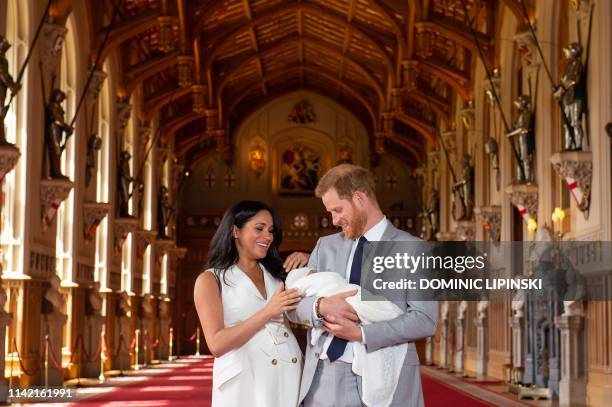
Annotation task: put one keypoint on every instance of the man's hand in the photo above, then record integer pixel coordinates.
(296, 260)
(343, 328)
(336, 307)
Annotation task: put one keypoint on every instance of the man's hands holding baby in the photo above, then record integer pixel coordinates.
(341, 320)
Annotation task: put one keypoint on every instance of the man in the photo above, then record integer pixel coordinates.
(347, 192)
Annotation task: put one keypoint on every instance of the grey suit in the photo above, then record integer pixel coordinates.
(419, 320)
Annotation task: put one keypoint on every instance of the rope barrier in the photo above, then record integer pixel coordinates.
(37, 369)
(57, 365)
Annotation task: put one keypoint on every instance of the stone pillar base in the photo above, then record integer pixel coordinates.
(572, 386)
(92, 345)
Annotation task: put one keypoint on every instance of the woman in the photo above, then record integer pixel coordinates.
(240, 300)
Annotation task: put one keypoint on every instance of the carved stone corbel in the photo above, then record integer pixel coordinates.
(199, 100)
(93, 213)
(212, 116)
(495, 78)
(143, 239)
(525, 198)
(527, 49)
(163, 152)
(52, 193)
(450, 144)
(185, 70)
(145, 132)
(9, 156)
(124, 110)
(221, 139)
(576, 168)
(490, 217)
(122, 227)
(178, 252)
(410, 72)
(396, 100)
(379, 142)
(167, 38)
(163, 246)
(95, 86)
(446, 236)
(468, 116)
(53, 40)
(466, 230)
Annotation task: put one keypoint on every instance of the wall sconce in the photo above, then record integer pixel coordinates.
(257, 162)
(532, 226)
(557, 217)
(492, 149)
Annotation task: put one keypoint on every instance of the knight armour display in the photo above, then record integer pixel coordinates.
(572, 94)
(57, 133)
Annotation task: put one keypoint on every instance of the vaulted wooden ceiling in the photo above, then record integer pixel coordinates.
(204, 65)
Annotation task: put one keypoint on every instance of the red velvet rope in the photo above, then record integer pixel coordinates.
(23, 369)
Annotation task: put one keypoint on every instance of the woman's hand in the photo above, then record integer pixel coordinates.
(296, 260)
(282, 301)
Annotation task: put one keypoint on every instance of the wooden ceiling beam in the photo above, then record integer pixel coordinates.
(315, 70)
(125, 30)
(222, 42)
(370, 79)
(459, 83)
(405, 143)
(253, 35)
(170, 129)
(155, 102)
(461, 37)
(426, 129)
(138, 73)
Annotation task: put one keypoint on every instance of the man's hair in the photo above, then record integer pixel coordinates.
(347, 179)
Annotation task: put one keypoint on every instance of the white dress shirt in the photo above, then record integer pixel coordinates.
(374, 234)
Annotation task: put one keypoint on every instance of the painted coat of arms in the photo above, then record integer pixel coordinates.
(299, 170)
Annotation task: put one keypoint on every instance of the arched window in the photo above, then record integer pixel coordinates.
(127, 144)
(12, 215)
(64, 242)
(102, 182)
(163, 286)
(147, 216)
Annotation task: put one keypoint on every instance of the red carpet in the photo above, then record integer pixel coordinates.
(189, 384)
(438, 394)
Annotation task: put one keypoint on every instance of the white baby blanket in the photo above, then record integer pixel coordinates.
(379, 370)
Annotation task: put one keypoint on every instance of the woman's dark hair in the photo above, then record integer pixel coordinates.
(223, 252)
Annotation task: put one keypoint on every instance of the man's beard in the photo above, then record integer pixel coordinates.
(356, 226)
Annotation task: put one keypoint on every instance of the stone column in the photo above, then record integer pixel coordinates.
(53, 322)
(123, 337)
(444, 351)
(518, 351)
(482, 340)
(164, 329)
(92, 333)
(459, 340)
(5, 320)
(572, 386)
(429, 351)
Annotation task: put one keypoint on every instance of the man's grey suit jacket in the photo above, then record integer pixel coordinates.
(331, 254)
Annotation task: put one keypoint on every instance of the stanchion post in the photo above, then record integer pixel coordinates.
(11, 370)
(170, 338)
(137, 333)
(46, 361)
(198, 342)
(101, 378)
(178, 344)
(80, 360)
(145, 339)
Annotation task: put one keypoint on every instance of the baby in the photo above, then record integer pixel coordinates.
(380, 378)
